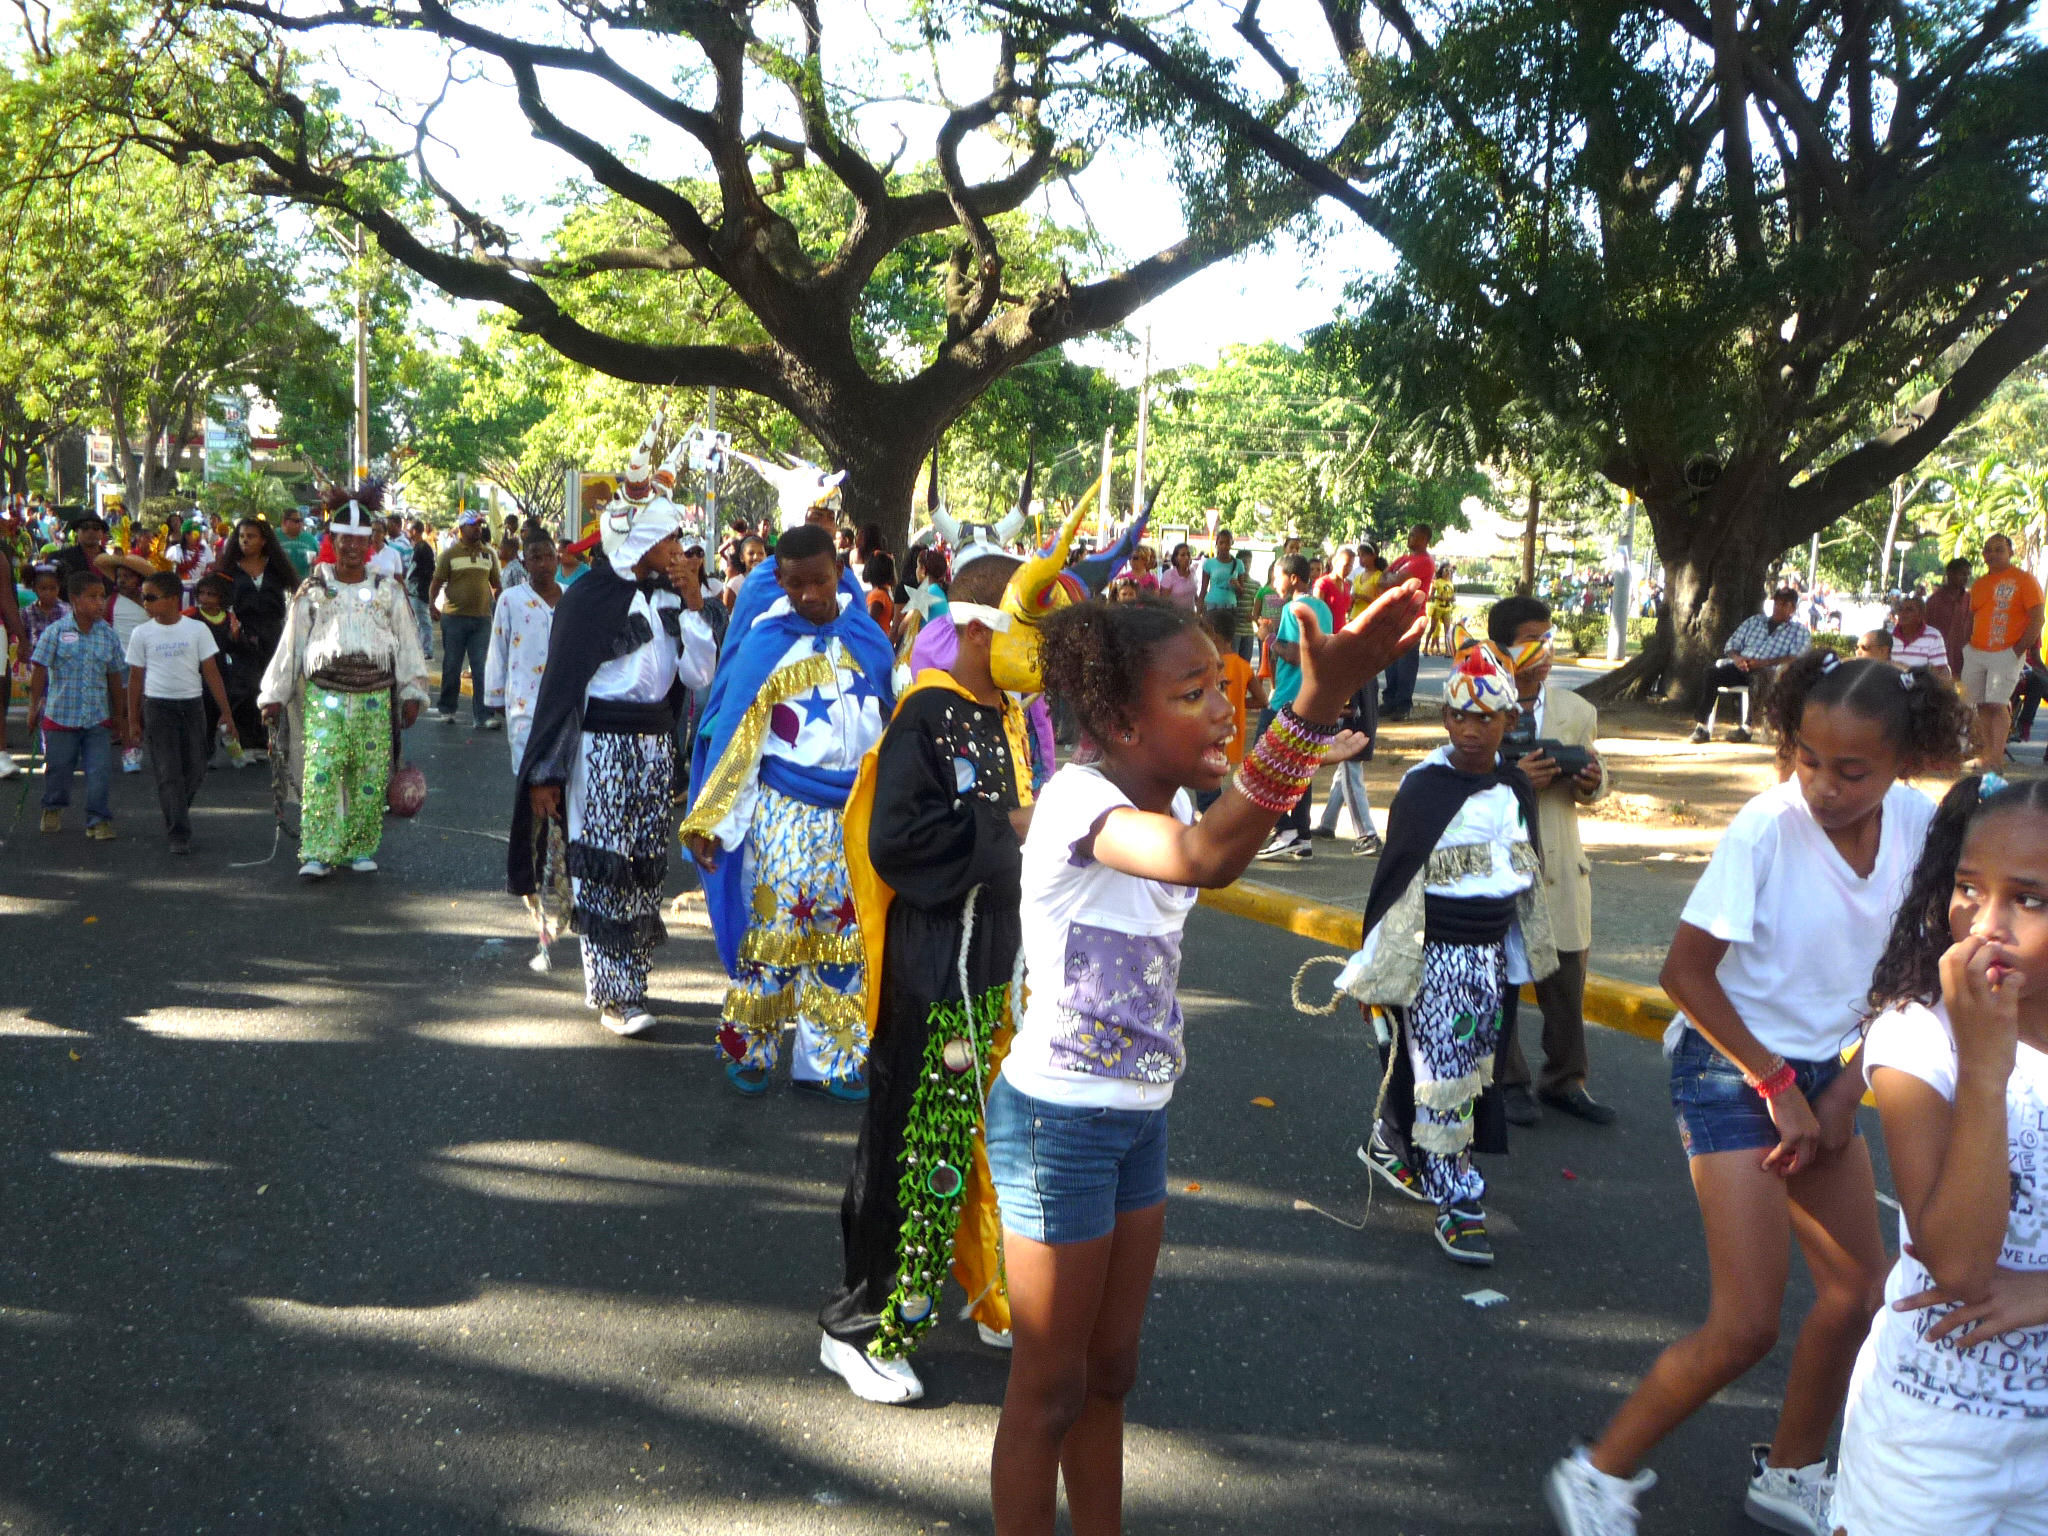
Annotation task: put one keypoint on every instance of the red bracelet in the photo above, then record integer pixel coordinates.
(1770, 1087)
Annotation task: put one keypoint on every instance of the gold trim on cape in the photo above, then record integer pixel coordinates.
(735, 770)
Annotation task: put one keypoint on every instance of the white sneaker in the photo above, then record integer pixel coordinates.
(1793, 1499)
(131, 761)
(363, 866)
(1584, 1501)
(991, 1338)
(313, 869)
(9, 768)
(889, 1382)
(626, 1021)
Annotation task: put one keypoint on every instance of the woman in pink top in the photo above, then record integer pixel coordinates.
(1177, 581)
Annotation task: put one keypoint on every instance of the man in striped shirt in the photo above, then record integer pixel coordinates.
(1916, 643)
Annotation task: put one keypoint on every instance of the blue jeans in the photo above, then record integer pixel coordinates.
(464, 635)
(424, 617)
(1717, 1109)
(1063, 1173)
(1398, 697)
(65, 750)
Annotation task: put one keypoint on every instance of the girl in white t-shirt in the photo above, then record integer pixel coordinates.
(1947, 1425)
(1771, 968)
(1077, 1119)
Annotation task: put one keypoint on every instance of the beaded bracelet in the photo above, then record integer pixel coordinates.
(1280, 768)
(1778, 1082)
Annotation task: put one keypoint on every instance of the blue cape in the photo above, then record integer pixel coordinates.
(744, 667)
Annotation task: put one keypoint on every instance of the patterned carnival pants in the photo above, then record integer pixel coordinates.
(348, 765)
(801, 959)
(1451, 1031)
(619, 831)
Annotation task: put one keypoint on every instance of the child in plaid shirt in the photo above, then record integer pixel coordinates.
(77, 692)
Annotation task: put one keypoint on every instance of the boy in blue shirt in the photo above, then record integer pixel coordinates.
(1290, 839)
(77, 692)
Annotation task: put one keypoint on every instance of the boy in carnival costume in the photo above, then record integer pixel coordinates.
(348, 662)
(934, 840)
(1455, 918)
(628, 642)
(801, 694)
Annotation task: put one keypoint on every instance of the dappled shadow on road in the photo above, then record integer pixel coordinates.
(349, 1222)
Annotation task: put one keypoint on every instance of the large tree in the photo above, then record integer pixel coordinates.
(1714, 238)
(740, 98)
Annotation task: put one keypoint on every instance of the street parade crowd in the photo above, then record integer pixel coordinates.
(950, 807)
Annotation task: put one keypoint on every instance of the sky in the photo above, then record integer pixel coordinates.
(483, 150)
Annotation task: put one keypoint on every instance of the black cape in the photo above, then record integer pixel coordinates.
(593, 624)
(1424, 806)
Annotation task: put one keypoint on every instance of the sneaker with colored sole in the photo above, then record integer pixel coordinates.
(1461, 1232)
(1366, 846)
(751, 1081)
(1796, 1500)
(847, 1090)
(1585, 1501)
(363, 866)
(1388, 1166)
(313, 869)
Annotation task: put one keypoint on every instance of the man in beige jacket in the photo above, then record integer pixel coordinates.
(1520, 626)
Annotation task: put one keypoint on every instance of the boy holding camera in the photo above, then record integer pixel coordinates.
(1552, 740)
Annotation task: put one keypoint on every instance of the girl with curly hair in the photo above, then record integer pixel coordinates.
(1077, 1119)
(1947, 1422)
(1770, 968)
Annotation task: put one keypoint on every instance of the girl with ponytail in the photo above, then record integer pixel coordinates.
(1947, 1424)
(1770, 969)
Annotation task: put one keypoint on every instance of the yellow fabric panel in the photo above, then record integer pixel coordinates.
(978, 1245)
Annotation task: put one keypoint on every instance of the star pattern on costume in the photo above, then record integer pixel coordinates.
(817, 706)
(844, 914)
(861, 686)
(803, 909)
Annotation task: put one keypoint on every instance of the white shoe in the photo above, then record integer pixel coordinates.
(363, 866)
(872, 1381)
(131, 761)
(313, 869)
(1797, 1500)
(1585, 1501)
(627, 1021)
(991, 1338)
(9, 768)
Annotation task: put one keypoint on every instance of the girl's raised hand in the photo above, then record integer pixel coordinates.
(1982, 995)
(1337, 665)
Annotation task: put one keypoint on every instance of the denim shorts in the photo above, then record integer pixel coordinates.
(1718, 1111)
(1065, 1172)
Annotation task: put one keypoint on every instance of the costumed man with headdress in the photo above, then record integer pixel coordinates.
(1455, 918)
(629, 641)
(347, 675)
(802, 691)
(934, 841)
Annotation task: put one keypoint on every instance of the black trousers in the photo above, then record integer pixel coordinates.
(1723, 674)
(174, 732)
(1562, 997)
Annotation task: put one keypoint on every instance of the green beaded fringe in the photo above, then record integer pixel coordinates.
(938, 1154)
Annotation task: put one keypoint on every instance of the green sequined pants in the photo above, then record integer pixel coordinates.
(348, 764)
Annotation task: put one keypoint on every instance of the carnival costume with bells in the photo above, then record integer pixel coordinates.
(935, 865)
(622, 653)
(792, 710)
(346, 663)
(1456, 916)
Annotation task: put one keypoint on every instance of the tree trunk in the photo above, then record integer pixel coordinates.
(1529, 520)
(1716, 556)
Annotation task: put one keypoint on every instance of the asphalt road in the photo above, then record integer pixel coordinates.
(322, 1213)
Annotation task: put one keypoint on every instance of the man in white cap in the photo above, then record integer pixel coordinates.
(349, 658)
(628, 642)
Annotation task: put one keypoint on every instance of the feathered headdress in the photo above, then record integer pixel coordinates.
(350, 511)
(1482, 680)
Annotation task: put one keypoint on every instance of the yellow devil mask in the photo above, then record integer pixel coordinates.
(1039, 586)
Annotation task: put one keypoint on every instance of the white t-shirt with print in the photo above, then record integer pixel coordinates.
(1804, 930)
(1102, 1026)
(2005, 1377)
(171, 655)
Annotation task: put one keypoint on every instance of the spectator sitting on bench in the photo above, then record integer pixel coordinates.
(1753, 654)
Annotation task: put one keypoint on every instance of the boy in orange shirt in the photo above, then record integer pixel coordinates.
(1243, 687)
(2005, 628)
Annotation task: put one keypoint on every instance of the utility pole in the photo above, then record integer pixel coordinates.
(711, 477)
(1144, 413)
(362, 454)
(1618, 604)
(1102, 501)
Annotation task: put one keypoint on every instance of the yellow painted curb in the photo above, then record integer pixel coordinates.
(1627, 1006)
